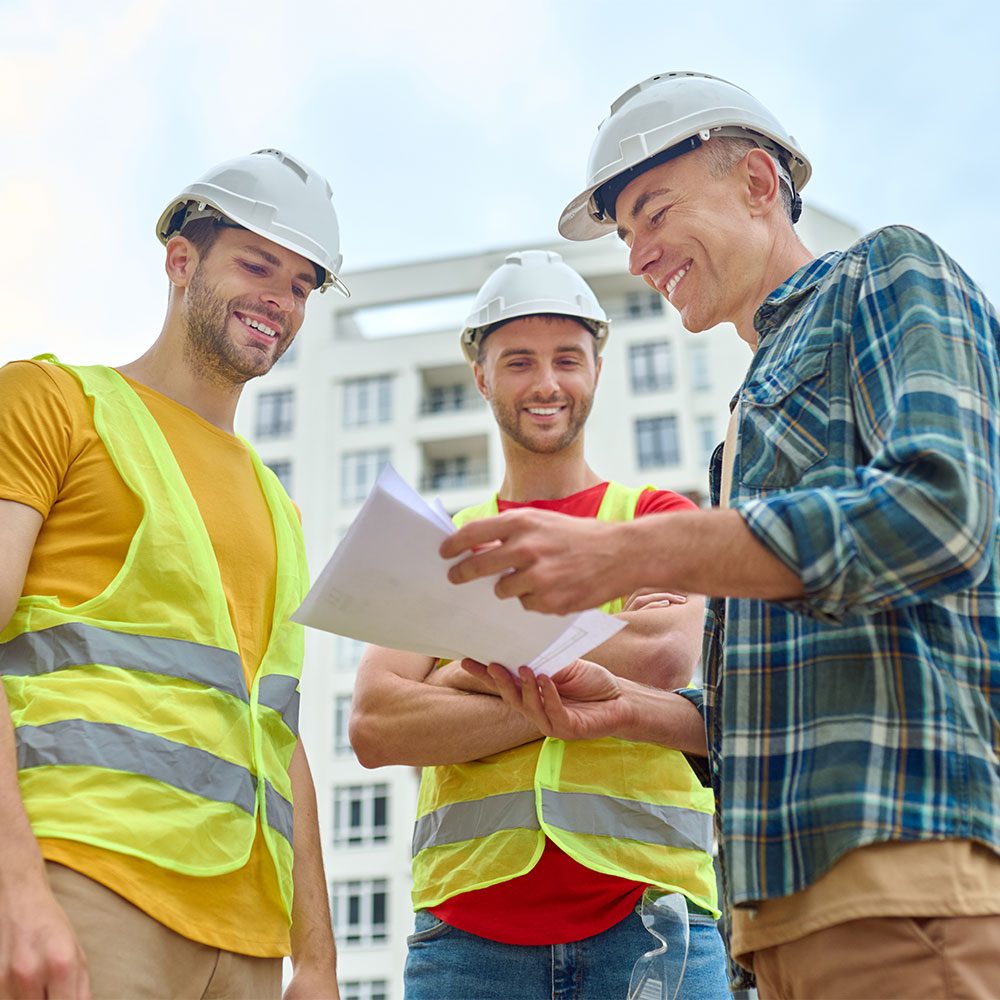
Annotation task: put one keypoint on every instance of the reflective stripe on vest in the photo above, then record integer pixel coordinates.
(575, 812)
(74, 644)
(122, 748)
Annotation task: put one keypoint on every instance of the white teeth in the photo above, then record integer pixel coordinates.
(543, 411)
(256, 325)
(672, 283)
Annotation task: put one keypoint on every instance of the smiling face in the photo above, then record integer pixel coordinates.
(539, 373)
(243, 305)
(701, 240)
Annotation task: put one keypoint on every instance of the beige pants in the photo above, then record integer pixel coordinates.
(131, 955)
(886, 958)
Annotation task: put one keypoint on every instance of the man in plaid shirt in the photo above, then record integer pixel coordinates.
(851, 709)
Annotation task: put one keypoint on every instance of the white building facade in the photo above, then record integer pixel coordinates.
(380, 378)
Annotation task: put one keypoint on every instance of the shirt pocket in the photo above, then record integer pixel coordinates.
(784, 430)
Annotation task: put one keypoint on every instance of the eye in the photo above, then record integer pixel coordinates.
(252, 268)
(299, 292)
(657, 217)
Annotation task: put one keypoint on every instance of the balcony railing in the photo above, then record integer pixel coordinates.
(451, 403)
(455, 479)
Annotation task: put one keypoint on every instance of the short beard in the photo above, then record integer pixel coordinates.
(508, 420)
(209, 350)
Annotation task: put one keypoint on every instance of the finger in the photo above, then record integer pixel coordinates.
(654, 599)
(479, 671)
(62, 978)
(493, 560)
(481, 532)
(506, 684)
(534, 705)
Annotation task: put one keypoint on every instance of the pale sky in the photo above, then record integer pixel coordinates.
(446, 127)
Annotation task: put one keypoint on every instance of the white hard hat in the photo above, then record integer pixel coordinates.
(273, 195)
(663, 117)
(529, 283)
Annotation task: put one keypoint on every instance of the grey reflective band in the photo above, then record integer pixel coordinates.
(628, 819)
(281, 692)
(279, 811)
(460, 821)
(121, 748)
(74, 644)
(575, 812)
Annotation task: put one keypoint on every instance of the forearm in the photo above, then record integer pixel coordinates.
(20, 859)
(704, 552)
(664, 718)
(312, 934)
(400, 721)
(660, 647)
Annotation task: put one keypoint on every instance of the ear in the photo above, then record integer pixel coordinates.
(763, 183)
(479, 373)
(181, 261)
(598, 365)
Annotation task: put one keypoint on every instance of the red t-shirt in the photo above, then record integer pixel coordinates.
(559, 900)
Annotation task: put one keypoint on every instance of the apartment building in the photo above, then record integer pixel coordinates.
(380, 378)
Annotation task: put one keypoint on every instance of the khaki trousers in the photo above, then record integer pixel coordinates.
(886, 958)
(132, 956)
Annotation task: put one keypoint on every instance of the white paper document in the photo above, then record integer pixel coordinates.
(386, 584)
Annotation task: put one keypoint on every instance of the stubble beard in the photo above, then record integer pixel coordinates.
(537, 442)
(209, 349)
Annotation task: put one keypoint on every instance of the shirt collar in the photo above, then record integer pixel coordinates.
(777, 307)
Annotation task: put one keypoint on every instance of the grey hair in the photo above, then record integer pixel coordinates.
(725, 151)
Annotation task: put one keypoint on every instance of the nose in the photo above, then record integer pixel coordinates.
(547, 382)
(279, 293)
(642, 255)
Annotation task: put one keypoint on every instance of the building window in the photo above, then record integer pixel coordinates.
(275, 413)
(368, 401)
(359, 911)
(651, 366)
(341, 724)
(656, 442)
(700, 375)
(365, 989)
(448, 398)
(283, 470)
(639, 304)
(360, 815)
(707, 438)
(358, 472)
(348, 652)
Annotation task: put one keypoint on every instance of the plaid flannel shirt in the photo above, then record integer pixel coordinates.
(868, 461)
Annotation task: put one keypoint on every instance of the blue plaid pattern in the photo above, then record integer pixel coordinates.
(868, 461)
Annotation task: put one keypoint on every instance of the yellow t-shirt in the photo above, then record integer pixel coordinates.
(52, 460)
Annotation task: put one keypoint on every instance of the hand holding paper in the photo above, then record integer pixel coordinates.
(386, 584)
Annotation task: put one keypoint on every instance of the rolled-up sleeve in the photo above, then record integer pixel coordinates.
(919, 519)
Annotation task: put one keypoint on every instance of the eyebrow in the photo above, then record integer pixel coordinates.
(276, 261)
(509, 352)
(640, 203)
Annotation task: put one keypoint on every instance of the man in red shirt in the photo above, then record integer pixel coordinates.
(531, 855)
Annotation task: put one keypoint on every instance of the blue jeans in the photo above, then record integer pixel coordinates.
(445, 963)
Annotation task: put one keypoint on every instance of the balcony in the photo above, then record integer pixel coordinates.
(450, 399)
(456, 474)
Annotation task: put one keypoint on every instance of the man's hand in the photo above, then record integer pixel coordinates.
(581, 702)
(39, 953)
(647, 598)
(551, 562)
(451, 675)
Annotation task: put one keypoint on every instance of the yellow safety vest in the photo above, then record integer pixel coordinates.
(634, 810)
(135, 731)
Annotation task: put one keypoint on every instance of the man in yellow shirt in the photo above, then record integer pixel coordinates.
(150, 673)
